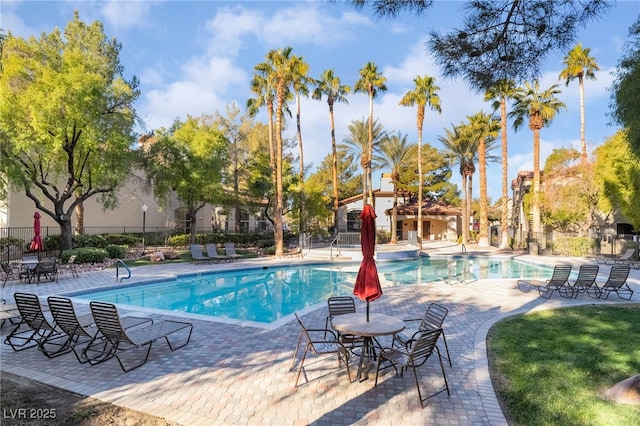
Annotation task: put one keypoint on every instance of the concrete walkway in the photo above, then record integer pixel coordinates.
(234, 373)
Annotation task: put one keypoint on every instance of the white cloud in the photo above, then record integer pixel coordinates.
(126, 14)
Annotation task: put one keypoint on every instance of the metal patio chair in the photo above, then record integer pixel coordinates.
(319, 346)
(557, 282)
(587, 275)
(119, 339)
(33, 326)
(413, 355)
(433, 319)
(79, 332)
(616, 283)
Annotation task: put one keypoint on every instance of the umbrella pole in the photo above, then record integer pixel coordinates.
(367, 311)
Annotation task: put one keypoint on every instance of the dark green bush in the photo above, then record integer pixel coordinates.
(90, 241)
(270, 251)
(264, 243)
(122, 239)
(85, 255)
(52, 242)
(10, 241)
(115, 251)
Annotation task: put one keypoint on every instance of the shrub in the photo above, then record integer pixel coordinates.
(121, 239)
(270, 251)
(85, 255)
(116, 251)
(89, 241)
(10, 241)
(178, 241)
(383, 236)
(52, 242)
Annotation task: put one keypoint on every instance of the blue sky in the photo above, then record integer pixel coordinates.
(195, 57)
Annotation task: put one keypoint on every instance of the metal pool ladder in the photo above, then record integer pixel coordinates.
(124, 265)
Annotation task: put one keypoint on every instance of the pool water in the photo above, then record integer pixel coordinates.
(267, 294)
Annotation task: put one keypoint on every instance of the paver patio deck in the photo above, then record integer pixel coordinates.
(232, 373)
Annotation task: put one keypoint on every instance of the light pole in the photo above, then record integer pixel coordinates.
(144, 224)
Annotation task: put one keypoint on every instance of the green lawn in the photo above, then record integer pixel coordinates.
(549, 367)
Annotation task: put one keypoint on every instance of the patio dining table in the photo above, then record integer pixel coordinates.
(377, 325)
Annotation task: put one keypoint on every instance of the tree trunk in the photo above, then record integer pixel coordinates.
(334, 169)
(483, 234)
(465, 211)
(583, 141)
(394, 216)
(79, 228)
(420, 183)
(278, 236)
(301, 227)
(504, 217)
(535, 207)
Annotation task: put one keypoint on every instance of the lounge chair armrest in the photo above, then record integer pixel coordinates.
(412, 320)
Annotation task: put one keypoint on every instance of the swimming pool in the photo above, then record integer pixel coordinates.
(267, 294)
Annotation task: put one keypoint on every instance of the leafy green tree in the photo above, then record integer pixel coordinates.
(371, 82)
(329, 85)
(499, 92)
(394, 151)
(625, 102)
(500, 39)
(540, 108)
(350, 183)
(580, 65)
(188, 160)
(424, 93)
(66, 119)
(483, 128)
(566, 196)
(235, 129)
(617, 171)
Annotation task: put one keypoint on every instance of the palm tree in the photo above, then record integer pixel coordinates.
(356, 142)
(279, 70)
(499, 93)
(424, 93)
(484, 129)
(541, 108)
(393, 154)
(580, 65)
(371, 82)
(329, 85)
(460, 150)
(300, 81)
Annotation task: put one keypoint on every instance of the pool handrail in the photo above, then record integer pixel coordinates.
(118, 263)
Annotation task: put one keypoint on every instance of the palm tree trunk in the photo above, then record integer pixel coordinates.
(278, 219)
(370, 150)
(394, 216)
(535, 208)
(334, 168)
(504, 217)
(483, 235)
(301, 227)
(465, 211)
(420, 183)
(582, 124)
(469, 199)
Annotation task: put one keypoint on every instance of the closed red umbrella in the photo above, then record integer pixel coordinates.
(367, 286)
(36, 242)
